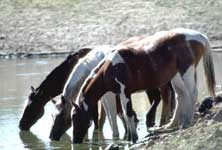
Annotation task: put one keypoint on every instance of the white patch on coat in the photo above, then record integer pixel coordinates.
(149, 47)
(96, 55)
(192, 35)
(124, 101)
(82, 71)
(115, 58)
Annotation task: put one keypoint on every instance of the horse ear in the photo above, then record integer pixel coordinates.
(32, 89)
(39, 92)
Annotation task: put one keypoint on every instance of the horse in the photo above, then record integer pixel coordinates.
(149, 62)
(52, 86)
(110, 103)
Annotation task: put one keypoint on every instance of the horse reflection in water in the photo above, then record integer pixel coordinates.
(147, 63)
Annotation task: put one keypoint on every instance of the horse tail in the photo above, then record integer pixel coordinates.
(209, 68)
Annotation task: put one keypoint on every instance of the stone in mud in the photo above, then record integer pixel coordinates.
(218, 116)
(112, 147)
(205, 105)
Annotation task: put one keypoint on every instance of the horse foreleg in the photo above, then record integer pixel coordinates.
(128, 112)
(95, 117)
(102, 115)
(129, 117)
(154, 98)
(167, 94)
(109, 103)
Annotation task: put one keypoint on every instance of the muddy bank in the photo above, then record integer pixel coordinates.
(47, 26)
(205, 134)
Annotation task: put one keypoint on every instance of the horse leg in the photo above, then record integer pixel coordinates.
(109, 103)
(129, 117)
(167, 94)
(102, 116)
(189, 79)
(95, 117)
(182, 113)
(154, 98)
(121, 116)
(128, 112)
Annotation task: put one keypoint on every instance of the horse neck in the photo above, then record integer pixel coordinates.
(54, 83)
(93, 90)
(81, 72)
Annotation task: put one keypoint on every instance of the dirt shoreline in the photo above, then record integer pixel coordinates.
(22, 55)
(205, 134)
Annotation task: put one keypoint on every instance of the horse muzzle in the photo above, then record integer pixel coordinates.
(23, 126)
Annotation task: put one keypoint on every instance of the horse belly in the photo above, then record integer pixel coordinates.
(153, 78)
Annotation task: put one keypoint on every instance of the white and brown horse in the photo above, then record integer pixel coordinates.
(149, 62)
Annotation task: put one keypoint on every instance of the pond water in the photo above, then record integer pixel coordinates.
(16, 77)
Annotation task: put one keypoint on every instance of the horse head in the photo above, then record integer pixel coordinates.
(82, 120)
(61, 119)
(33, 110)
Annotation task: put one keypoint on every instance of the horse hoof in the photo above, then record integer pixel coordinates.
(150, 124)
(135, 138)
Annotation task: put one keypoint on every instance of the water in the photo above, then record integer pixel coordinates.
(16, 77)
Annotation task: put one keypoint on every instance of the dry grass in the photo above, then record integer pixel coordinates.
(61, 25)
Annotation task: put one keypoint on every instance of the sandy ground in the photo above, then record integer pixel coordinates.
(45, 26)
(205, 134)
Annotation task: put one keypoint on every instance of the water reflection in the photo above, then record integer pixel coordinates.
(16, 77)
(30, 140)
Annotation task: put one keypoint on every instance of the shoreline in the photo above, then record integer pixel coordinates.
(24, 55)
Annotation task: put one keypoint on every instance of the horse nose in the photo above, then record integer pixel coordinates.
(54, 136)
(23, 126)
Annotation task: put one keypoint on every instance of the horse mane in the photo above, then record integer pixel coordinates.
(58, 76)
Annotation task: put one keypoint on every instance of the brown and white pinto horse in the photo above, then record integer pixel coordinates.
(51, 87)
(147, 63)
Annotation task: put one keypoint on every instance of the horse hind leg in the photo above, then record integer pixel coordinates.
(190, 82)
(167, 94)
(154, 98)
(182, 114)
